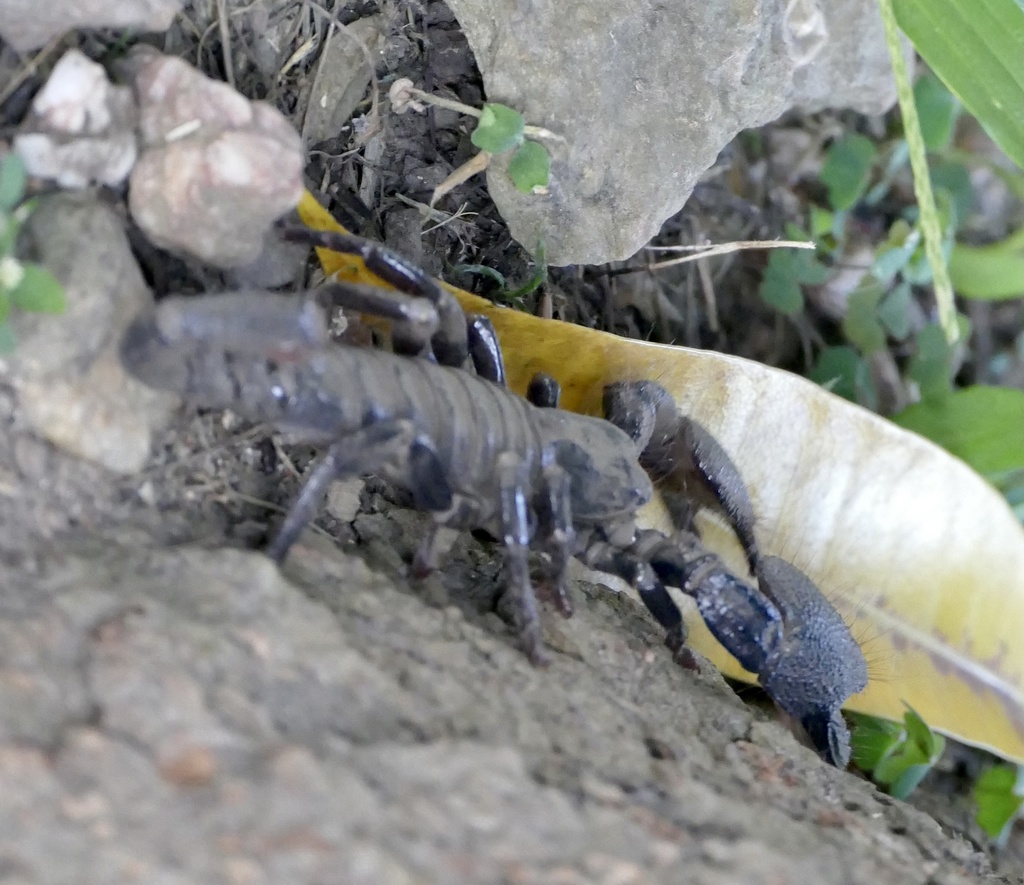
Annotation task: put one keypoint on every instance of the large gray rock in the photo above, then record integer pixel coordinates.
(647, 93)
(28, 24)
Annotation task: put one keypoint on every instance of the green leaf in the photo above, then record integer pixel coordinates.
(861, 325)
(930, 743)
(991, 272)
(976, 47)
(822, 222)
(894, 311)
(898, 154)
(843, 371)
(954, 178)
(897, 758)
(983, 426)
(937, 111)
(779, 287)
(931, 366)
(7, 340)
(998, 798)
(530, 167)
(499, 129)
(909, 779)
(39, 291)
(894, 254)
(846, 169)
(873, 740)
(13, 179)
(9, 228)
(918, 269)
(537, 278)
(787, 269)
(481, 270)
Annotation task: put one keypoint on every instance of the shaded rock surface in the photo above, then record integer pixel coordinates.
(648, 93)
(191, 715)
(70, 385)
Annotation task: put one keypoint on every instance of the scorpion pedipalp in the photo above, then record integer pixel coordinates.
(785, 631)
(674, 445)
(816, 643)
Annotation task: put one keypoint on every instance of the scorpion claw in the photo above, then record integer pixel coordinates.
(815, 641)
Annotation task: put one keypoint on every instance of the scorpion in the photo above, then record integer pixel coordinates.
(474, 454)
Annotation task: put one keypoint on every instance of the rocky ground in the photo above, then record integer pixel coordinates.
(174, 709)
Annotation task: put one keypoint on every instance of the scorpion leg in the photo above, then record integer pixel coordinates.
(373, 448)
(639, 574)
(544, 391)
(450, 342)
(484, 349)
(414, 320)
(452, 336)
(515, 528)
(560, 535)
(671, 443)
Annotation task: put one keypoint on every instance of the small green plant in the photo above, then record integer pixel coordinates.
(975, 47)
(862, 182)
(858, 176)
(23, 284)
(999, 795)
(499, 130)
(513, 297)
(897, 756)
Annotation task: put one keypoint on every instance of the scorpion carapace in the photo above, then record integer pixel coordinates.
(474, 454)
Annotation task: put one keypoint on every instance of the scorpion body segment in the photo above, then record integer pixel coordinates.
(469, 450)
(331, 392)
(474, 454)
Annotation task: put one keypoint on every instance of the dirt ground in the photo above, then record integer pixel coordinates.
(175, 710)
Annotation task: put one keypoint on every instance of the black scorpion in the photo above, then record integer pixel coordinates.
(475, 455)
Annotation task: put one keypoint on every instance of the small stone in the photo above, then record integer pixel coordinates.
(343, 499)
(82, 128)
(216, 170)
(193, 766)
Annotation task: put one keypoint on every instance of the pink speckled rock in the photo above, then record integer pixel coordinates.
(216, 169)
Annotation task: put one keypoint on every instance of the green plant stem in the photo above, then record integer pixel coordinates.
(922, 181)
(457, 106)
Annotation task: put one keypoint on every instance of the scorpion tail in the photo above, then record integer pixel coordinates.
(150, 358)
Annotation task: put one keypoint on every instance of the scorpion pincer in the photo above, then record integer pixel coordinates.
(475, 455)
